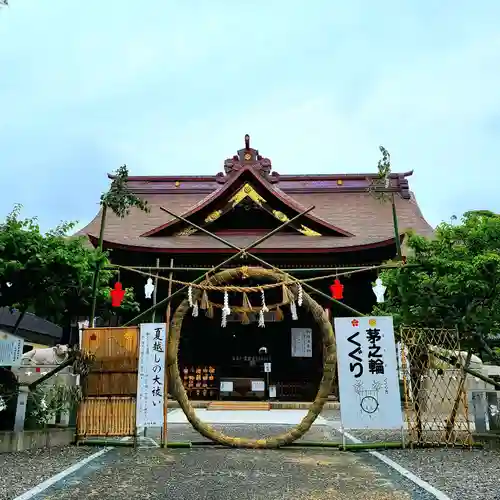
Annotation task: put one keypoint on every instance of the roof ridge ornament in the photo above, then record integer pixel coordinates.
(250, 157)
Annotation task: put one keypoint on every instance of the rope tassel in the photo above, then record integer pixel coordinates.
(287, 295)
(209, 313)
(204, 304)
(245, 320)
(279, 314)
(247, 305)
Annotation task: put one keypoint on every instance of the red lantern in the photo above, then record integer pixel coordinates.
(337, 290)
(117, 295)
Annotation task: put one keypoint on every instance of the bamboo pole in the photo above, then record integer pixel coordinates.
(167, 330)
(95, 279)
(396, 227)
(242, 251)
(155, 289)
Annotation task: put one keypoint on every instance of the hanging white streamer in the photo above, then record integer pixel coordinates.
(226, 310)
(190, 296)
(263, 298)
(195, 309)
(262, 323)
(293, 310)
(300, 295)
(263, 309)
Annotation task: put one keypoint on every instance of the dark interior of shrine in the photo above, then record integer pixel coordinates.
(236, 351)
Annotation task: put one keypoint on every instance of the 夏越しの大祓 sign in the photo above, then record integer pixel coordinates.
(368, 373)
(151, 376)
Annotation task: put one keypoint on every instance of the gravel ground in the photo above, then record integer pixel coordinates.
(461, 474)
(228, 474)
(21, 471)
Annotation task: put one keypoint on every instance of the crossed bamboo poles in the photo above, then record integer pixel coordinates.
(241, 252)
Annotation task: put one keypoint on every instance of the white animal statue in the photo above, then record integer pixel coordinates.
(379, 290)
(47, 356)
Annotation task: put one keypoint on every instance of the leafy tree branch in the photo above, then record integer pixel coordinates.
(456, 283)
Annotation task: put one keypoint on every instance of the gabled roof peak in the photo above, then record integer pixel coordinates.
(249, 157)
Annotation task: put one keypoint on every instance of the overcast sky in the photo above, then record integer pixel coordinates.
(171, 87)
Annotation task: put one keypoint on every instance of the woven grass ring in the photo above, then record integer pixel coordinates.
(324, 389)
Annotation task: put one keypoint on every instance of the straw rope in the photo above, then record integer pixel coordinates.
(177, 388)
(287, 279)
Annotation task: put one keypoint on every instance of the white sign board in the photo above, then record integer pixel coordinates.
(11, 349)
(151, 378)
(272, 391)
(368, 373)
(267, 367)
(226, 386)
(301, 343)
(258, 386)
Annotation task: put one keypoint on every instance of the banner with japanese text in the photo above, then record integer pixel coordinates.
(368, 373)
(11, 349)
(151, 376)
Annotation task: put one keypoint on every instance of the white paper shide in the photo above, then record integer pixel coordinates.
(301, 343)
(368, 373)
(151, 378)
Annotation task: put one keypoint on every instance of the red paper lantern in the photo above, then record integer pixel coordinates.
(117, 295)
(337, 290)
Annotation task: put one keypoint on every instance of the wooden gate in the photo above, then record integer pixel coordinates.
(110, 388)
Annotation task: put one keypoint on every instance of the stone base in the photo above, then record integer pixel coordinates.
(275, 405)
(11, 441)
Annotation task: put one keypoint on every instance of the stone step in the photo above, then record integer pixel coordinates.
(239, 405)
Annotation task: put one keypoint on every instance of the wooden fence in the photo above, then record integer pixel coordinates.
(110, 389)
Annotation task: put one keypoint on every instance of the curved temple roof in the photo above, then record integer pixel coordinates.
(346, 216)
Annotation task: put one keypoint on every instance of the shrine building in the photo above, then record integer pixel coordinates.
(349, 229)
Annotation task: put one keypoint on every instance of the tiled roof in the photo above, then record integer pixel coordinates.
(342, 206)
(369, 220)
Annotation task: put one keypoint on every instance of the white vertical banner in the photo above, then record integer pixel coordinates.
(11, 349)
(368, 373)
(301, 343)
(151, 376)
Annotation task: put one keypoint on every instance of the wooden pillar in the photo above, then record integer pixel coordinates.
(167, 330)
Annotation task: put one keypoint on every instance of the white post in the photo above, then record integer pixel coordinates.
(22, 401)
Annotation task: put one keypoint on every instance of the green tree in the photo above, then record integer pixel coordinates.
(52, 274)
(452, 280)
(380, 189)
(120, 200)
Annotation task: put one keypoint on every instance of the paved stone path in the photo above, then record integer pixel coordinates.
(216, 473)
(221, 474)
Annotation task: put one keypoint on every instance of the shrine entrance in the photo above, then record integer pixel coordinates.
(236, 355)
